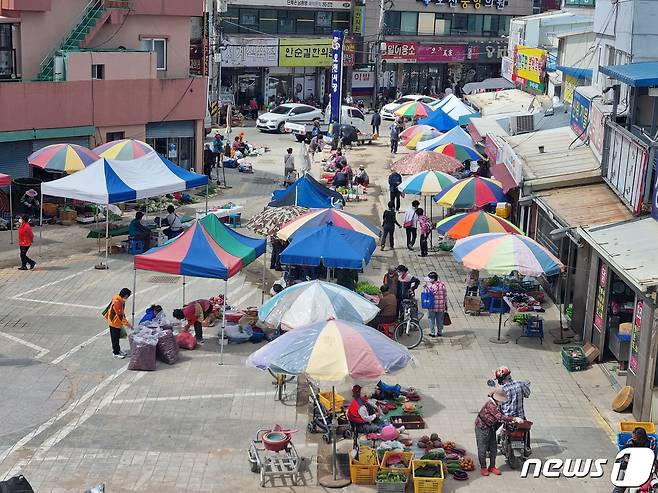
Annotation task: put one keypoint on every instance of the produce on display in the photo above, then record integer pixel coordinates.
(391, 477)
(428, 471)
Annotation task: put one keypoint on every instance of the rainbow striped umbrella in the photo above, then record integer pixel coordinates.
(471, 192)
(409, 132)
(422, 136)
(319, 217)
(459, 152)
(332, 351)
(415, 108)
(503, 253)
(473, 223)
(426, 183)
(124, 149)
(63, 158)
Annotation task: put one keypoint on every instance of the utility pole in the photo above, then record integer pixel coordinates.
(378, 53)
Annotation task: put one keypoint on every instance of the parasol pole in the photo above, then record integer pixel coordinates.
(183, 290)
(206, 199)
(11, 217)
(134, 293)
(221, 342)
(333, 432)
(40, 221)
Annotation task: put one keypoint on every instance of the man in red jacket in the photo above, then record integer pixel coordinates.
(25, 239)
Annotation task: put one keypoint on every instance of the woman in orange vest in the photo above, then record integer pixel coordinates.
(25, 239)
(362, 412)
(116, 320)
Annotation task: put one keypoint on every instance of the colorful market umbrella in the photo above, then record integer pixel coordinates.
(338, 218)
(459, 152)
(414, 140)
(413, 130)
(332, 351)
(471, 192)
(62, 158)
(123, 149)
(503, 253)
(270, 220)
(414, 108)
(316, 301)
(426, 161)
(426, 183)
(473, 223)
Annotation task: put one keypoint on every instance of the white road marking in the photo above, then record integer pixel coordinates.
(60, 435)
(63, 279)
(77, 348)
(65, 412)
(60, 303)
(142, 400)
(40, 350)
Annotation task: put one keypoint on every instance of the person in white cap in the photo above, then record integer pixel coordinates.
(30, 202)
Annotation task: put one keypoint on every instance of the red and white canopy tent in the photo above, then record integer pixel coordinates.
(5, 180)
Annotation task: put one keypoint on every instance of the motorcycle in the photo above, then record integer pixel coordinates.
(512, 442)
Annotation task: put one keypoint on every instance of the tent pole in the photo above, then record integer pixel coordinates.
(221, 342)
(262, 296)
(183, 290)
(11, 217)
(107, 233)
(40, 222)
(134, 293)
(333, 433)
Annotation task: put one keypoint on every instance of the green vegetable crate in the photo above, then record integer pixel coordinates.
(423, 484)
(391, 482)
(574, 358)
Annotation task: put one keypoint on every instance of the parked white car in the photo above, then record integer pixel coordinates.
(276, 119)
(388, 110)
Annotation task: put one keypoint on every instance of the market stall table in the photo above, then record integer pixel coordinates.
(123, 229)
(534, 324)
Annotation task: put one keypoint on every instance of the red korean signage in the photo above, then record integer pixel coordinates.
(400, 52)
(349, 52)
(440, 53)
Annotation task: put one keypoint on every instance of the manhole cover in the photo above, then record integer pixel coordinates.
(164, 279)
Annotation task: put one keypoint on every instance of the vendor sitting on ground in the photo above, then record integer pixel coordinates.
(175, 225)
(362, 412)
(195, 314)
(362, 177)
(388, 305)
(340, 179)
(138, 230)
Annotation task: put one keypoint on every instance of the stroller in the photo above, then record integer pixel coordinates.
(323, 418)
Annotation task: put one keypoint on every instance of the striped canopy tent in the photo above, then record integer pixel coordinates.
(208, 249)
(409, 132)
(318, 217)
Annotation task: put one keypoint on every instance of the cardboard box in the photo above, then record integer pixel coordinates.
(591, 352)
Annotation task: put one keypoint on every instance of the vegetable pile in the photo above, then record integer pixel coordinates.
(428, 471)
(391, 477)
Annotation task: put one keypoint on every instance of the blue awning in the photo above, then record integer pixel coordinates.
(644, 74)
(578, 73)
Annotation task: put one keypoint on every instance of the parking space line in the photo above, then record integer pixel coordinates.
(77, 348)
(142, 400)
(40, 350)
(60, 303)
(64, 279)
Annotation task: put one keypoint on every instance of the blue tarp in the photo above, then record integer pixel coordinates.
(306, 192)
(440, 120)
(644, 74)
(456, 136)
(578, 73)
(330, 246)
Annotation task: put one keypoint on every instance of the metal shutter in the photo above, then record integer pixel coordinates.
(165, 130)
(13, 158)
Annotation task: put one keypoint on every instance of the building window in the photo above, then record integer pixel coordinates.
(426, 23)
(7, 53)
(231, 21)
(267, 21)
(112, 136)
(475, 25)
(305, 22)
(323, 22)
(97, 71)
(341, 21)
(249, 18)
(459, 24)
(409, 23)
(286, 22)
(442, 25)
(159, 46)
(580, 3)
(392, 22)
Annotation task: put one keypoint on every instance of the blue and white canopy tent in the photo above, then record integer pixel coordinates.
(109, 181)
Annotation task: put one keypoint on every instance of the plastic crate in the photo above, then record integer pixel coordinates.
(406, 459)
(392, 487)
(574, 363)
(427, 485)
(326, 401)
(361, 473)
(629, 426)
(623, 437)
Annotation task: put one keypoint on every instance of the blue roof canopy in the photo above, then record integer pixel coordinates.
(306, 192)
(578, 73)
(644, 74)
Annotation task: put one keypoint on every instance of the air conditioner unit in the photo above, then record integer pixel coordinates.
(521, 124)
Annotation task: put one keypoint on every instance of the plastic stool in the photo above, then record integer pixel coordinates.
(235, 220)
(534, 328)
(135, 247)
(386, 329)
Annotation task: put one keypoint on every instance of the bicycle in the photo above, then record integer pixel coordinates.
(279, 382)
(408, 332)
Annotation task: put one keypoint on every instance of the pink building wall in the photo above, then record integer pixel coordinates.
(118, 65)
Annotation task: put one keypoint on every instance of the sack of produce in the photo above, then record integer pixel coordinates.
(142, 351)
(185, 340)
(167, 347)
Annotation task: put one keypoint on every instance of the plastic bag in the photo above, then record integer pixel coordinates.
(167, 347)
(142, 350)
(237, 334)
(185, 340)
(427, 299)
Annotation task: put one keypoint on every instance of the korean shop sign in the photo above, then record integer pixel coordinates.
(440, 53)
(295, 52)
(400, 52)
(530, 64)
(465, 4)
(635, 337)
(579, 114)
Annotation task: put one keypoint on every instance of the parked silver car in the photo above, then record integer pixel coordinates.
(276, 119)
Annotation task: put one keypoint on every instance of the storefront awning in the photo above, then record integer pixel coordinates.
(643, 74)
(501, 173)
(630, 248)
(577, 72)
(572, 206)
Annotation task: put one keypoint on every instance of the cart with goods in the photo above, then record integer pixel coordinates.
(273, 455)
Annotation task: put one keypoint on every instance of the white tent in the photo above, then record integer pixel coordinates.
(454, 107)
(455, 136)
(109, 181)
